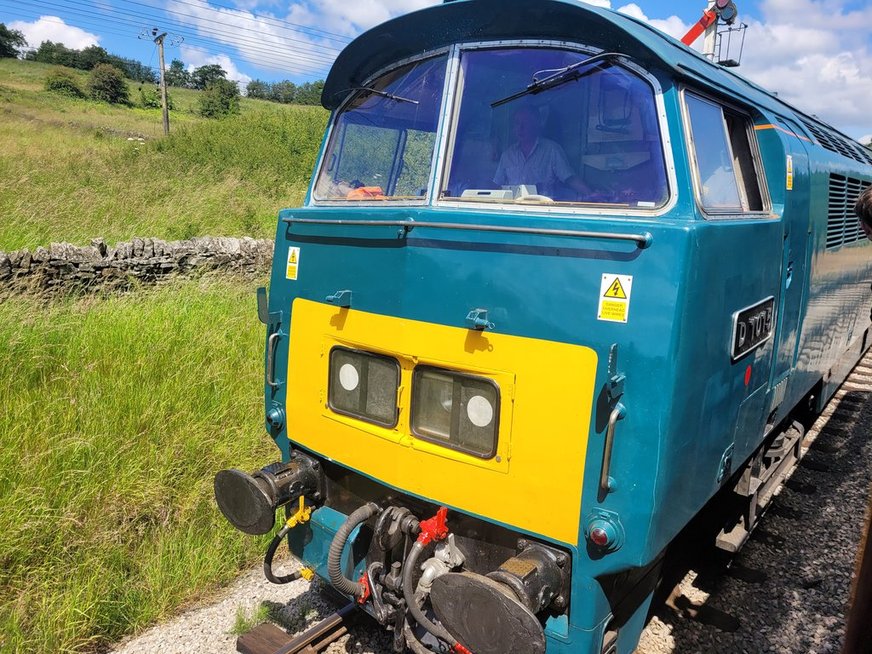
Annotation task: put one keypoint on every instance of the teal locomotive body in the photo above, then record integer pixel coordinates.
(564, 277)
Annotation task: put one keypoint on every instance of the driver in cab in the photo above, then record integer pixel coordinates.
(536, 161)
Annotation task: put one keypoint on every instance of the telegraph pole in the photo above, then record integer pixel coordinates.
(159, 40)
(159, 37)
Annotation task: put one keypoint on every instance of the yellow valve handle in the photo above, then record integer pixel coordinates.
(301, 515)
(307, 573)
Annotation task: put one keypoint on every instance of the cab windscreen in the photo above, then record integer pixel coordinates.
(364, 385)
(455, 410)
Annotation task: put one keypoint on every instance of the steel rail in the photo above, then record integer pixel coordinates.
(315, 639)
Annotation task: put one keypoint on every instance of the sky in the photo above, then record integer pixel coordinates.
(816, 54)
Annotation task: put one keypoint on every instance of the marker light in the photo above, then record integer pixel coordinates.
(599, 536)
(456, 410)
(364, 385)
(604, 531)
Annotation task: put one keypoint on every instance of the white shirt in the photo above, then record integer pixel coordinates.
(545, 167)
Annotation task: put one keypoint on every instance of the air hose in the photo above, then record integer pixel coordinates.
(412, 641)
(409, 567)
(268, 560)
(334, 556)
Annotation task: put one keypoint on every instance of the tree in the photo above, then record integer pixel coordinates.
(61, 80)
(177, 76)
(11, 41)
(258, 89)
(54, 53)
(208, 74)
(133, 69)
(219, 99)
(149, 98)
(107, 84)
(88, 58)
(284, 92)
(310, 93)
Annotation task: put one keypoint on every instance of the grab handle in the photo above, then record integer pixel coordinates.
(271, 360)
(617, 413)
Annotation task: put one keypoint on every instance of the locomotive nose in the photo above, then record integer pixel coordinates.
(249, 501)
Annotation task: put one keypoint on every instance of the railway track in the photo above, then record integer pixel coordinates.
(787, 590)
(269, 639)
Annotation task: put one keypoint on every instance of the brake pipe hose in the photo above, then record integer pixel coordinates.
(412, 641)
(268, 560)
(334, 556)
(409, 595)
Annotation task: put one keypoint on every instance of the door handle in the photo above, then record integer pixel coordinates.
(617, 413)
(271, 359)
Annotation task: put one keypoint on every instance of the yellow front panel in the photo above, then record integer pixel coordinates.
(546, 392)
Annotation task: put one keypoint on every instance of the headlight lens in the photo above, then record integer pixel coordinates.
(456, 410)
(364, 385)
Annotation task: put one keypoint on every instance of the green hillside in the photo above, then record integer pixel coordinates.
(71, 170)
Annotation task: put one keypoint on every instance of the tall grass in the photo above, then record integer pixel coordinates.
(116, 412)
(69, 173)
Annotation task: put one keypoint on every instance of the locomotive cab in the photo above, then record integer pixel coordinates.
(553, 287)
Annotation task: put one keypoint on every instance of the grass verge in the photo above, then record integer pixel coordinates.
(68, 171)
(116, 413)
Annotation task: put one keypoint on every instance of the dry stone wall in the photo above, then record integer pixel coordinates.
(63, 267)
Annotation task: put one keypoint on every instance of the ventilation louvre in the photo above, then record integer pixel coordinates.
(835, 143)
(842, 225)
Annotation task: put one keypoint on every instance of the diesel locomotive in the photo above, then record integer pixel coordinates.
(558, 281)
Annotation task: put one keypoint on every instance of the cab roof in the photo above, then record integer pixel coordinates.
(458, 21)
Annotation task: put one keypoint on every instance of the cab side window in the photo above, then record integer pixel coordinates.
(727, 176)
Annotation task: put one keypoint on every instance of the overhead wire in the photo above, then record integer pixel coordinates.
(104, 30)
(259, 33)
(279, 22)
(240, 42)
(295, 62)
(54, 19)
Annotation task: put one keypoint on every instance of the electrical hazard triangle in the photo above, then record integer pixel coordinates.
(293, 258)
(616, 291)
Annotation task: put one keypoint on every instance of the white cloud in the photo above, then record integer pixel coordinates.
(353, 17)
(196, 57)
(52, 28)
(866, 139)
(261, 39)
(816, 56)
(266, 41)
(672, 25)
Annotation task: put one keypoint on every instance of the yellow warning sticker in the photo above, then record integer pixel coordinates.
(293, 263)
(789, 173)
(614, 297)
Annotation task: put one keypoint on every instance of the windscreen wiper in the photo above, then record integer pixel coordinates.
(560, 76)
(384, 94)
